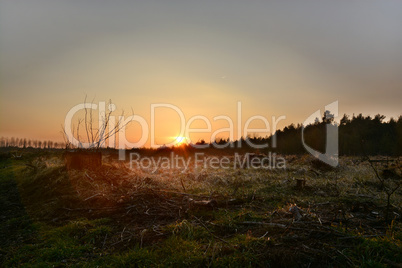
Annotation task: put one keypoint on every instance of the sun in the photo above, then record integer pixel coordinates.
(180, 140)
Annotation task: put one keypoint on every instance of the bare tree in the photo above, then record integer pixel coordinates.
(96, 137)
(390, 182)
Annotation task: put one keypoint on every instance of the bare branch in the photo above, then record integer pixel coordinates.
(96, 137)
(86, 118)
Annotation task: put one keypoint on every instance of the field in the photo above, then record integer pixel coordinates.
(118, 216)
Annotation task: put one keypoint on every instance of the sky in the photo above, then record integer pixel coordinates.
(277, 58)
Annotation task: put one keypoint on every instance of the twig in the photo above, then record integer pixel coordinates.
(182, 184)
(206, 228)
(334, 230)
(173, 192)
(263, 235)
(86, 174)
(142, 233)
(91, 197)
(104, 241)
(347, 258)
(265, 223)
(361, 236)
(103, 208)
(322, 204)
(86, 118)
(121, 235)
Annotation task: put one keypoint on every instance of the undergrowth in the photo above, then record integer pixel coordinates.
(116, 217)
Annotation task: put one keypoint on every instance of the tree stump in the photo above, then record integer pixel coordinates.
(83, 160)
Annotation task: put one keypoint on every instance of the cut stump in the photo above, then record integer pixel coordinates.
(83, 160)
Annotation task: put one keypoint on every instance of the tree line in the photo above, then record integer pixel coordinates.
(14, 142)
(358, 135)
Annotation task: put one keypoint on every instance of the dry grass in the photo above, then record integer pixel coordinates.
(250, 220)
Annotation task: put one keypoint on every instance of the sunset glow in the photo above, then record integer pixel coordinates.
(180, 140)
(277, 59)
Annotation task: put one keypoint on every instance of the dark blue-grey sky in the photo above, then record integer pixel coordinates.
(277, 57)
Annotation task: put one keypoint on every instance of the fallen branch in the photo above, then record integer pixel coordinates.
(203, 203)
(180, 193)
(265, 223)
(346, 257)
(360, 236)
(83, 209)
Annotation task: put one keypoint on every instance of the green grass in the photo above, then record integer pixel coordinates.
(16, 226)
(70, 244)
(46, 220)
